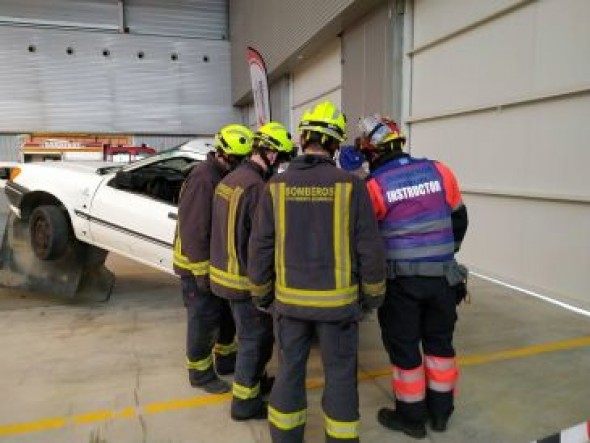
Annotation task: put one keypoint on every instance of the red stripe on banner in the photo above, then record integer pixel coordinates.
(588, 429)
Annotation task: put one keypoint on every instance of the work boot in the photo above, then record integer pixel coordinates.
(438, 423)
(261, 414)
(215, 386)
(392, 420)
(225, 364)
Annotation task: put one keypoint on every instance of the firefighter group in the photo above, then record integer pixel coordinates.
(284, 260)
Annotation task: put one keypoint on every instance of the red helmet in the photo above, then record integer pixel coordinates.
(377, 131)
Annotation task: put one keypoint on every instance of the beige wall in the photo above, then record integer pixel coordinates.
(284, 29)
(505, 102)
(316, 79)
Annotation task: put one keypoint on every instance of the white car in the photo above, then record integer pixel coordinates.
(129, 210)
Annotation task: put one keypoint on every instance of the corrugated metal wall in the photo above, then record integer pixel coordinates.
(111, 82)
(9, 146)
(501, 92)
(161, 142)
(279, 29)
(74, 13)
(94, 91)
(191, 18)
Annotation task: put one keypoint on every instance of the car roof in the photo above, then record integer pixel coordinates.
(199, 145)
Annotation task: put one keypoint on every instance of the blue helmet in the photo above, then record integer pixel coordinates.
(350, 158)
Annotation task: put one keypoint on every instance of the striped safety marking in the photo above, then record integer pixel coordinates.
(576, 434)
(102, 416)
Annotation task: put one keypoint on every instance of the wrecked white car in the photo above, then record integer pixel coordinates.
(65, 218)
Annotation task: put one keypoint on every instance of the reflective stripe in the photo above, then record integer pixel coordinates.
(223, 191)
(409, 385)
(278, 193)
(328, 298)
(225, 350)
(244, 392)
(374, 289)
(424, 251)
(233, 266)
(228, 280)
(197, 268)
(419, 228)
(260, 290)
(341, 230)
(288, 421)
(200, 365)
(342, 429)
(441, 372)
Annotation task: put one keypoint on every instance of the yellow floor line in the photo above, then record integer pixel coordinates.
(207, 400)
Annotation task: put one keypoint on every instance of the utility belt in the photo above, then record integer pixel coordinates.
(455, 273)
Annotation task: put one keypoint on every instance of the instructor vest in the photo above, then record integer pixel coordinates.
(417, 227)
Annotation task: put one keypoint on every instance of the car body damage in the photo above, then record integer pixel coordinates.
(65, 218)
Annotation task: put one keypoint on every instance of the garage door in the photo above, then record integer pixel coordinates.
(501, 92)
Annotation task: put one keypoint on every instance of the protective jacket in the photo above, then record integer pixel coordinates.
(315, 242)
(193, 230)
(421, 215)
(234, 204)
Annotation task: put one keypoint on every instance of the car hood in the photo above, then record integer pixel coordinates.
(81, 167)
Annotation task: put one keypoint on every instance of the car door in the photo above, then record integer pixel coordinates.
(131, 217)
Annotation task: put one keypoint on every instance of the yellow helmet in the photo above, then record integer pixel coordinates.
(275, 136)
(326, 119)
(235, 140)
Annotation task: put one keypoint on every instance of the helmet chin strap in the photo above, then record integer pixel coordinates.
(270, 170)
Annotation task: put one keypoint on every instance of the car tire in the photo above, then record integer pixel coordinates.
(49, 231)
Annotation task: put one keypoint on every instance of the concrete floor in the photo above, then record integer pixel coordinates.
(113, 372)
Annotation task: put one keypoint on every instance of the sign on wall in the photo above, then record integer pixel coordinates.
(260, 91)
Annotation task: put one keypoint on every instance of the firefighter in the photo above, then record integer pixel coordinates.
(422, 220)
(316, 260)
(209, 318)
(236, 199)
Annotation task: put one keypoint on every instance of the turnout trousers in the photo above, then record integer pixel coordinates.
(420, 311)
(210, 331)
(340, 402)
(255, 336)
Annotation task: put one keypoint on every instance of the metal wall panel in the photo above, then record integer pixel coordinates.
(370, 68)
(76, 13)
(438, 18)
(161, 142)
(317, 79)
(9, 146)
(282, 29)
(50, 91)
(191, 18)
(279, 101)
(508, 115)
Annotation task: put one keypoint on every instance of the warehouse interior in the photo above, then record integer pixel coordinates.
(498, 90)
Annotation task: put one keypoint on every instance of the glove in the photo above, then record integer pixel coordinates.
(264, 303)
(460, 288)
(371, 302)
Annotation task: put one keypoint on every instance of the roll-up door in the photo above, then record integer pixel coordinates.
(190, 18)
(501, 92)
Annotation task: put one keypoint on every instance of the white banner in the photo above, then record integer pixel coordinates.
(259, 87)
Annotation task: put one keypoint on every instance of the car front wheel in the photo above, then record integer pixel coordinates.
(49, 231)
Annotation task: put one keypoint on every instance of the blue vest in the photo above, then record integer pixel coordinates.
(417, 228)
